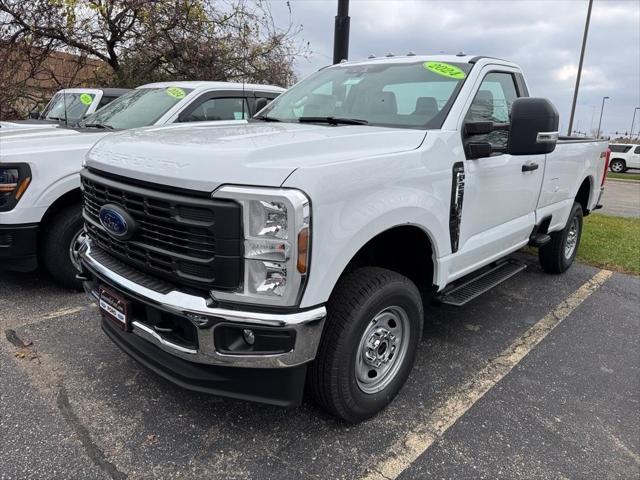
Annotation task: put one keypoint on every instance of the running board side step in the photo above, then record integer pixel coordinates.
(470, 288)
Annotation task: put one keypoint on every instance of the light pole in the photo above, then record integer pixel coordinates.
(601, 110)
(584, 44)
(633, 122)
(341, 33)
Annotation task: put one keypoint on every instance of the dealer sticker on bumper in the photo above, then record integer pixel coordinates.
(114, 307)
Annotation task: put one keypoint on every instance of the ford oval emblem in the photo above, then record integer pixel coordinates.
(117, 222)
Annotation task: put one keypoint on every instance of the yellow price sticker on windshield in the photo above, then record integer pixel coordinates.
(176, 92)
(86, 99)
(445, 70)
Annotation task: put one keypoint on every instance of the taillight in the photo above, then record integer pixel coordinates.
(607, 155)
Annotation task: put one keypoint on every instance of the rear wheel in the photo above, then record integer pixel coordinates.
(618, 166)
(558, 255)
(368, 348)
(63, 236)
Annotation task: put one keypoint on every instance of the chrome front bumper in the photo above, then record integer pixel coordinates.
(306, 324)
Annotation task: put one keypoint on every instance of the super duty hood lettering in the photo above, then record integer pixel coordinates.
(203, 157)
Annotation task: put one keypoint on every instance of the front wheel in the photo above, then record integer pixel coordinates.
(63, 236)
(372, 332)
(558, 255)
(618, 166)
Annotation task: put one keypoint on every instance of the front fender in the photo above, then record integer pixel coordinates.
(352, 202)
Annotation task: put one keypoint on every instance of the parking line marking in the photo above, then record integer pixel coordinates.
(63, 312)
(407, 449)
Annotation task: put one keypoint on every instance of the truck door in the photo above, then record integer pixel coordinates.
(500, 190)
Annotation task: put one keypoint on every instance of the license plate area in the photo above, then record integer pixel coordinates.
(115, 308)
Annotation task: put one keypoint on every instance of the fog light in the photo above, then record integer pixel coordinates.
(249, 336)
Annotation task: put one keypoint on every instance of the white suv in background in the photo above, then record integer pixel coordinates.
(624, 156)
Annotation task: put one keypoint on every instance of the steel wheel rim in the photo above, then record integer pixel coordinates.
(616, 167)
(74, 249)
(382, 349)
(572, 238)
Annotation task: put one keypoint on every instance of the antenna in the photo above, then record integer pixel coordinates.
(64, 100)
(244, 61)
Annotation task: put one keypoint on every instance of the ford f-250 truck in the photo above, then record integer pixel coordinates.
(247, 260)
(40, 207)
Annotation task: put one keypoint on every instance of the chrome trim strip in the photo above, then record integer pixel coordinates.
(159, 339)
(547, 137)
(307, 324)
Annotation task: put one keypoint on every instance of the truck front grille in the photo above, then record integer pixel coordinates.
(180, 236)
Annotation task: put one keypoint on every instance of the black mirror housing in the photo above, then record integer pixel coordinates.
(478, 149)
(534, 127)
(478, 128)
(260, 104)
(34, 115)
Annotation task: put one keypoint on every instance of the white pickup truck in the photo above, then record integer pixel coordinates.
(40, 205)
(246, 260)
(67, 107)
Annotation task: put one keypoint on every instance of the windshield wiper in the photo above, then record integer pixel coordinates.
(266, 118)
(98, 125)
(333, 120)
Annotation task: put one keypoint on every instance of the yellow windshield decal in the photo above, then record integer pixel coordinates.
(445, 70)
(86, 99)
(176, 92)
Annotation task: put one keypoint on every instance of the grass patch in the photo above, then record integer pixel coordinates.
(611, 242)
(624, 176)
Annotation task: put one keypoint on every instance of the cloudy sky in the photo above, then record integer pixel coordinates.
(542, 36)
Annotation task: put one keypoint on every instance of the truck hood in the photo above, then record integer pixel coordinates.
(27, 124)
(204, 157)
(40, 141)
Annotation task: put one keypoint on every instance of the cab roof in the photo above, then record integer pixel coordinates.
(197, 85)
(459, 58)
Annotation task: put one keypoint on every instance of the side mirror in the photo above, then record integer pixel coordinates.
(34, 114)
(260, 104)
(534, 127)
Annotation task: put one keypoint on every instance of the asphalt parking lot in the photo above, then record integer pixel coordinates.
(539, 378)
(621, 198)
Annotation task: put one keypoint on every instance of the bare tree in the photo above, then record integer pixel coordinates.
(140, 41)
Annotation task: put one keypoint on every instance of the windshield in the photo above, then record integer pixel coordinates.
(138, 108)
(77, 106)
(415, 95)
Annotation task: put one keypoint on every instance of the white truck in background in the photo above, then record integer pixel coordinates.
(67, 107)
(40, 205)
(252, 259)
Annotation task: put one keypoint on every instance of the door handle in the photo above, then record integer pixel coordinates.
(530, 167)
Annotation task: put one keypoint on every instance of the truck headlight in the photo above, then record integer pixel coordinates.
(276, 225)
(14, 180)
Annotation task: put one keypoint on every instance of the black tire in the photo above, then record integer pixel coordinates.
(618, 165)
(357, 299)
(58, 234)
(552, 256)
